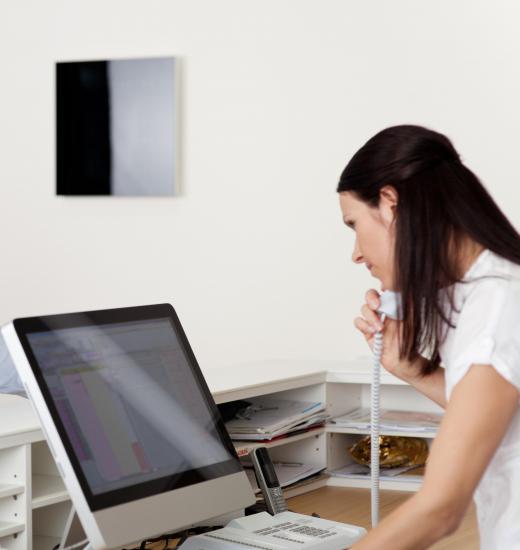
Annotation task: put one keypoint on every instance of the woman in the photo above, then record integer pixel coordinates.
(426, 227)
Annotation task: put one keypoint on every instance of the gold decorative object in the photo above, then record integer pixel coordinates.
(394, 451)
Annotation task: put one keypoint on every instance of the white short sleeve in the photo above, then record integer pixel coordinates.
(488, 331)
(506, 352)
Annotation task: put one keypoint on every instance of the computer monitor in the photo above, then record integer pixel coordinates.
(130, 421)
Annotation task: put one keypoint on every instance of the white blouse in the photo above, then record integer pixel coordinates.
(488, 332)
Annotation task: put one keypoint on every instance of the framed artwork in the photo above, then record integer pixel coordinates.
(116, 127)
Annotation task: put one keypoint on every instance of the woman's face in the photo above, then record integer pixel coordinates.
(374, 229)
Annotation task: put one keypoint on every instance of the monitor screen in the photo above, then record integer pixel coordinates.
(129, 401)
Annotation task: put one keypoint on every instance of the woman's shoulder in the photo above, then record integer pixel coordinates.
(491, 271)
(489, 262)
(489, 289)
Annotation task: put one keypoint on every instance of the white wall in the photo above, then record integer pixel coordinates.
(276, 96)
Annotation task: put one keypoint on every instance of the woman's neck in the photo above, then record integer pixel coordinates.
(468, 253)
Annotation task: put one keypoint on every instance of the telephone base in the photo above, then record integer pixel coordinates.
(284, 531)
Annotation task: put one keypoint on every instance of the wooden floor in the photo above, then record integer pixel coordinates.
(353, 506)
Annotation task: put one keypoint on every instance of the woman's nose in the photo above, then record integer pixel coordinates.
(357, 257)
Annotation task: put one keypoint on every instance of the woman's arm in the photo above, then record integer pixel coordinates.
(431, 385)
(477, 417)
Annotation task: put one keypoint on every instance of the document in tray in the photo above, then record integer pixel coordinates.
(287, 473)
(272, 416)
(406, 421)
(358, 471)
(312, 422)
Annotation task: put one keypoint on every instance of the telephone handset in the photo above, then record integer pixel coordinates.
(390, 307)
(268, 481)
(390, 304)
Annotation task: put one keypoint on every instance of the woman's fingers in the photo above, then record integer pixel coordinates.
(372, 317)
(372, 299)
(370, 323)
(364, 326)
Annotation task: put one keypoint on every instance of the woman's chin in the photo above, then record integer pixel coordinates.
(384, 286)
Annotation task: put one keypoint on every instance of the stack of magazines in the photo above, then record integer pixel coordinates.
(391, 420)
(267, 418)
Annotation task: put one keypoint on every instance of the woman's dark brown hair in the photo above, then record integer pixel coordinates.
(440, 203)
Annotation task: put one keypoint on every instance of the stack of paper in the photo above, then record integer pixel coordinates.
(390, 420)
(267, 418)
(286, 472)
(358, 471)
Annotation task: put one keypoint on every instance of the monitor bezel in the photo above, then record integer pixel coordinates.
(28, 325)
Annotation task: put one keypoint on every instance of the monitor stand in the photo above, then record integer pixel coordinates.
(73, 536)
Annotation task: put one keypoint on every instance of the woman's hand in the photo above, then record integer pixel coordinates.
(370, 323)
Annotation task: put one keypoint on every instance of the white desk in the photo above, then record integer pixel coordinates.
(34, 503)
(263, 377)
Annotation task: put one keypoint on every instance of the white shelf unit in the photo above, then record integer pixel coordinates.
(15, 491)
(343, 389)
(34, 504)
(309, 447)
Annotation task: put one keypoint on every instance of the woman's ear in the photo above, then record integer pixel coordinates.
(388, 199)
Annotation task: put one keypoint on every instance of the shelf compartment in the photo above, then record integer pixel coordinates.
(338, 457)
(48, 523)
(45, 543)
(10, 528)
(9, 490)
(407, 481)
(332, 428)
(47, 489)
(243, 448)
